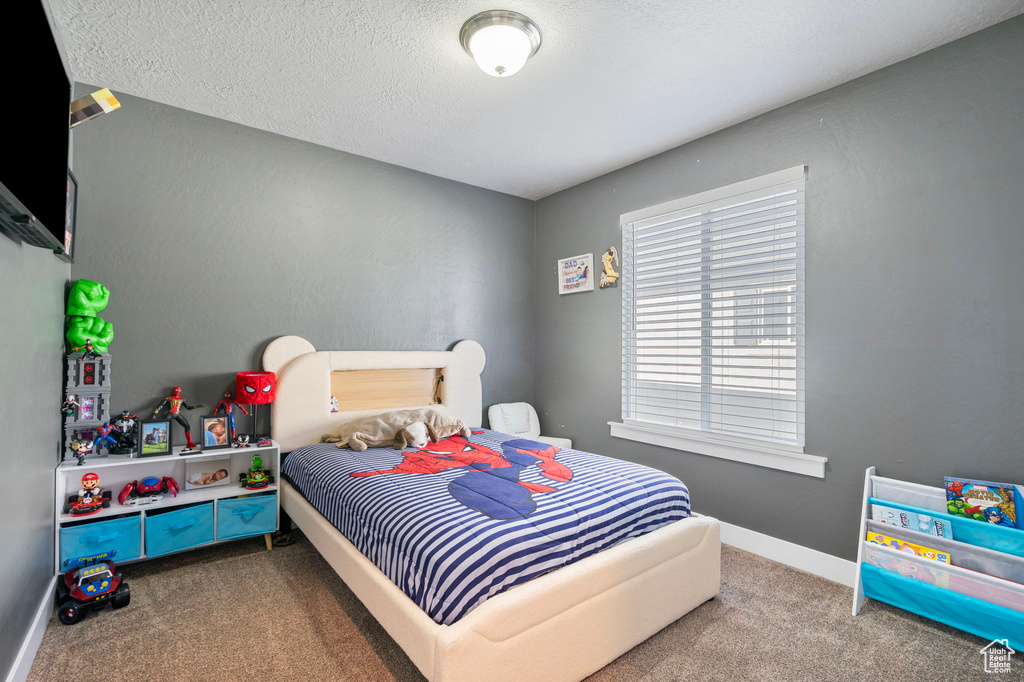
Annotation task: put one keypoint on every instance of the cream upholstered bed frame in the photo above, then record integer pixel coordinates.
(561, 626)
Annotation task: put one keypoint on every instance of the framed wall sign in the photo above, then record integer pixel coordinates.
(575, 274)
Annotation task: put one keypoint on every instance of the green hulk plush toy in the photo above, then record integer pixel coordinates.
(85, 300)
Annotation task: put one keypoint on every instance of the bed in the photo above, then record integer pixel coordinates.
(525, 617)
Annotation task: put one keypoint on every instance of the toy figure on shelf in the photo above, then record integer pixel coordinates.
(87, 350)
(68, 407)
(609, 278)
(105, 439)
(81, 448)
(90, 498)
(126, 439)
(174, 403)
(147, 491)
(257, 477)
(85, 300)
(242, 440)
(228, 406)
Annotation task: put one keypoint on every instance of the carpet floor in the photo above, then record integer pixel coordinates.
(237, 612)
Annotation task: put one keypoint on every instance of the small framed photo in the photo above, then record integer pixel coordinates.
(154, 437)
(207, 473)
(216, 433)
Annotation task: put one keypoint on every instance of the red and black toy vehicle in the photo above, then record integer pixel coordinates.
(90, 499)
(90, 587)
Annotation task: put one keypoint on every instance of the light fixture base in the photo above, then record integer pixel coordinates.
(500, 17)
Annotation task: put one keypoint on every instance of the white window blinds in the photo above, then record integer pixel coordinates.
(713, 311)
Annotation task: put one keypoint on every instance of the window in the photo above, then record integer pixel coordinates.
(712, 319)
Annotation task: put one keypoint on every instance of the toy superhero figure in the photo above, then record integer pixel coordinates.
(228, 406)
(68, 407)
(104, 436)
(491, 483)
(125, 425)
(87, 350)
(174, 403)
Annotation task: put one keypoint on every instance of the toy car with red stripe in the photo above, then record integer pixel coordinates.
(88, 588)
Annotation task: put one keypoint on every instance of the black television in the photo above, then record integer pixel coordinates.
(34, 129)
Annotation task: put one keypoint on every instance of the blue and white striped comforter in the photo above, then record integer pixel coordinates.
(450, 534)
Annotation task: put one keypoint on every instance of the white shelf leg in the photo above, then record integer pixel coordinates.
(858, 588)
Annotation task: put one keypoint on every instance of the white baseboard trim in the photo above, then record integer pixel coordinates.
(842, 571)
(30, 645)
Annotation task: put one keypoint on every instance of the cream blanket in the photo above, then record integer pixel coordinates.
(391, 428)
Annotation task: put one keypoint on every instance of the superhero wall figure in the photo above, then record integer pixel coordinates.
(490, 484)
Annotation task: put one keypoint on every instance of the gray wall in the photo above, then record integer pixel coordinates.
(915, 283)
(215, 238)
(31, 379)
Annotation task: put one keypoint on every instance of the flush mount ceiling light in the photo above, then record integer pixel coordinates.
(500, 41)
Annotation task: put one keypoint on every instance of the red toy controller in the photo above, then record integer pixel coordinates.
(148, 490)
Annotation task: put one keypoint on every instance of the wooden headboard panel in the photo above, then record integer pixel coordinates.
(366, 382)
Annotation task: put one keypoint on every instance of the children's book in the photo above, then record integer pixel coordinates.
(905, 519)
(908, 547)
(909, 568)
(984, 501)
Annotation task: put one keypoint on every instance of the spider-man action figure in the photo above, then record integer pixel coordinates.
(103, 433)
(174, 402)
(87, 350)
(228, 405)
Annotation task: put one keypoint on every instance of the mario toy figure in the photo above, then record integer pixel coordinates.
(174, 403)
(90, 487)
(228, 406)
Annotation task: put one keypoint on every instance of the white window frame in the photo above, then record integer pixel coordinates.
(748, 450)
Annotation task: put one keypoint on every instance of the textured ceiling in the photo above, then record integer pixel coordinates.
(615, 81)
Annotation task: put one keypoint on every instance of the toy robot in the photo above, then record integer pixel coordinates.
(148, 490)
(257, 477)
(90, 498)
(87, 350)
(228, 406)
(68, 407)
(81, 448)
(174, 403)
(242, 440)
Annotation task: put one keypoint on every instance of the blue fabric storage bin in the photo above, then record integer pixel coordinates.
(980, 533)
(246, 516)
(121, 536)
(180, 529)
(988, 621)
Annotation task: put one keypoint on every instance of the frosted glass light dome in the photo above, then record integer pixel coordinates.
(500, 41)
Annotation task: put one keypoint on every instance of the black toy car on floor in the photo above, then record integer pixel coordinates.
(88, 588)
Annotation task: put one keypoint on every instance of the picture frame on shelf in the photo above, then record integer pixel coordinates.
(70, 220)
(155, 437)
(204, 473)
(216, 432)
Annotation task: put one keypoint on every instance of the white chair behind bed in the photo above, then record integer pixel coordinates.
(520, 419)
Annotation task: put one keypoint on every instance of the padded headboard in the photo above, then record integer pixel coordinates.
(301, 412)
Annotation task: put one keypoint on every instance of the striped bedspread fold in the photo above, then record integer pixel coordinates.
(462, 520)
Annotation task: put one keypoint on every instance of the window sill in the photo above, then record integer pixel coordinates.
(764, 454)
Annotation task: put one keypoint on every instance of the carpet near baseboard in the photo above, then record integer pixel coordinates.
(237, 612)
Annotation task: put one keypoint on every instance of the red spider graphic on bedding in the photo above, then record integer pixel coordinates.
(492, 485)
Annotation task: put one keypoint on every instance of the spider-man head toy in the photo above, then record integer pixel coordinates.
(255, 388)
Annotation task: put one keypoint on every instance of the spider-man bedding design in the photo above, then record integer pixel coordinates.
(464, 519)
